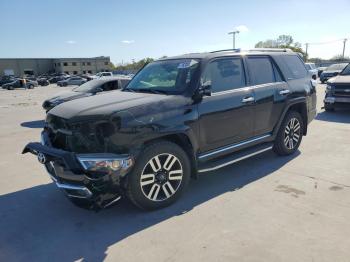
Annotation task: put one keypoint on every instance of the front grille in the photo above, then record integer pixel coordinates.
(342, 90)
(78, 138)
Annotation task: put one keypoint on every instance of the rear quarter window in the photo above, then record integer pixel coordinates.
(295, 67)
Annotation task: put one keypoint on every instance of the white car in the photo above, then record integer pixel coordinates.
(312, 69)
(104, 74)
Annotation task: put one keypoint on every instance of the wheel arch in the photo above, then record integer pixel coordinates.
(298, 105)
(184, 141)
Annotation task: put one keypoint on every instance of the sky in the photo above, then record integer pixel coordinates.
(129, 29)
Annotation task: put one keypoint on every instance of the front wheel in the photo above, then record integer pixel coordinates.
(290, 134)
(159, 177)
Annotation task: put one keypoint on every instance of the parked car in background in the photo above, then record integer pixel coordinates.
(176, 118)
(19, 83)
(74, 80)
(320, 70)
(6, 79)
(312, 69)
(332, 71)
(90, 88)
(104, 74)
(338, 91)
(43, 81)
(55, 79)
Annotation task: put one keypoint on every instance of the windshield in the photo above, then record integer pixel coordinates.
(308, 66)
(88, 86)
(168, 76)
(346, 70)
(336, 67)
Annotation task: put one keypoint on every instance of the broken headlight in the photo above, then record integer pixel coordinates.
(105, 163)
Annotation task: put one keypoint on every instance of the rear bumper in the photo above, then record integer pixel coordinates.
(94, 190)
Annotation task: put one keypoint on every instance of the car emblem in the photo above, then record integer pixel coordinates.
(41, 158)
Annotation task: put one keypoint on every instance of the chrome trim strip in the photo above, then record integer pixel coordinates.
(234, 161)
(223, 149)
(87, 193)
(112, 202)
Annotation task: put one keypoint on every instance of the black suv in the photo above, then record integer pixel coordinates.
(176, 118)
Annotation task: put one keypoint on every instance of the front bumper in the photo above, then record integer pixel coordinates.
(336, 100)
(91, 190)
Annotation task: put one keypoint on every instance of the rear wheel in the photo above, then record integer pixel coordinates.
(159, 177)
(328, 107)
(30, 87)
(290, 134)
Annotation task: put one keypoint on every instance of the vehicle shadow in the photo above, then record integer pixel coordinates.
(33, 124)
(39, 224)
(338, 116)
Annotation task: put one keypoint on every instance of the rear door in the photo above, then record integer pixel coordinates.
(270, 92)
(225, 117)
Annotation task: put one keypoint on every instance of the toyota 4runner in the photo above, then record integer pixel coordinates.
(176, 118)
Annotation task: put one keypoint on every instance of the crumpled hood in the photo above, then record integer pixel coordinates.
(340, 79)
(104, 104)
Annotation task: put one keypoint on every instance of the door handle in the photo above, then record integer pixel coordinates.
(248, 99)
(284, 92)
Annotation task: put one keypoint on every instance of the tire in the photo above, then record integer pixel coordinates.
(30, 87)
(10, 88)
(159, 177)
(290, 134)
(328, 108)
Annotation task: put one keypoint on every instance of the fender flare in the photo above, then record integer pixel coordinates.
(292, 102)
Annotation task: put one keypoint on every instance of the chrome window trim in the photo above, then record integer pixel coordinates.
(243, 88)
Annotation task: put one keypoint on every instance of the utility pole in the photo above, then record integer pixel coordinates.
(344, 43)
(233, 33)
(306, 48)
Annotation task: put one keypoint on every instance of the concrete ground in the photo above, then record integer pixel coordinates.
(267, 208)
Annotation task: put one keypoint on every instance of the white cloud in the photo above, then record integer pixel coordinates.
(71, 42)
(128, 42)
(242, 28)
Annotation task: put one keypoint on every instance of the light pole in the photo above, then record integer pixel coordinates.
(233, 33)
(344, 43)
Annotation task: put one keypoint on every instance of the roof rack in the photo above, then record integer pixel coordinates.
(271, 50)
(227, 50)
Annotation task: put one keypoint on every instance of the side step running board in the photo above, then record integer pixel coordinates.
(234, 158)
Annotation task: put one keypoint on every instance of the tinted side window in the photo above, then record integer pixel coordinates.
(110, 86)
(295, 67)
(224, 74)
(260, 70)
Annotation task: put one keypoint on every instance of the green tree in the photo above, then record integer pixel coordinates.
(340, 58)
(283, 41)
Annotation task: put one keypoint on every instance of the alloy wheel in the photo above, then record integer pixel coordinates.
(161, 177)
(292, 133)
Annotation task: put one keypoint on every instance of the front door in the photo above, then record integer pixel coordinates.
(225, 117)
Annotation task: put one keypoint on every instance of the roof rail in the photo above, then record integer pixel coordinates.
(227, 50)
(271, 50)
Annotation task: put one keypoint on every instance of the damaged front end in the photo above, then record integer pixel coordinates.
(79, 162)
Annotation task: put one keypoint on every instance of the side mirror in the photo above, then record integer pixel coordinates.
(314, 77)
(205, 89)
